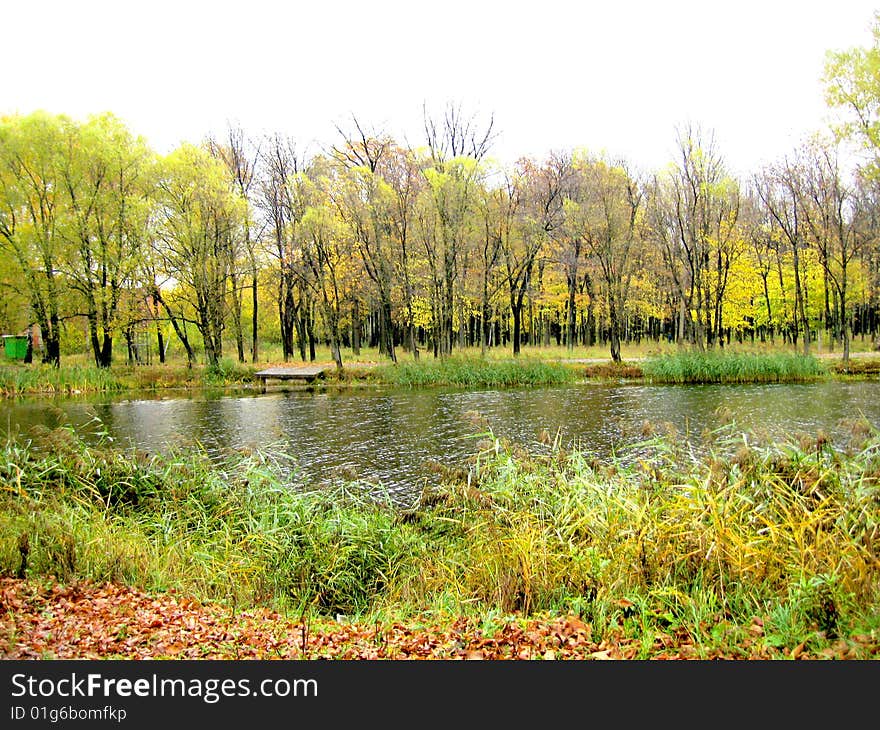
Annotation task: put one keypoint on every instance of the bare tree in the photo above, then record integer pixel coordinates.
(240, 156)
(456, 145)
(780, 189)
(456, 135)
(366, 208)
(324, 253)
(829, 208)
(693, 213)
(758, 228)
(489, 256)
(608, 220)
(530, 208)
(283, 202)
(400, 171)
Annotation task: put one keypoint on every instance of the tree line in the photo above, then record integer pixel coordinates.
(239, 240)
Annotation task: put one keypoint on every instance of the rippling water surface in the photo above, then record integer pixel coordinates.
(387, 436)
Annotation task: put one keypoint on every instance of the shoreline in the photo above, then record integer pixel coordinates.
(179, 379)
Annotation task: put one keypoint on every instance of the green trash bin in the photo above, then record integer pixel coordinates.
(15, 346)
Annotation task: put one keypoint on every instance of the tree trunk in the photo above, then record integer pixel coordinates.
(356, 327)
(254, 303)
(236, 318)
(614, 321)
(571, 322)
(51, 342)
(799, 301)
(516, 311)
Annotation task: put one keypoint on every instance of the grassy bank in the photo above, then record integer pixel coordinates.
(731, 367)
(18, 379)
(475, 372)
(536, 369)
(781, 536)
(33, 379)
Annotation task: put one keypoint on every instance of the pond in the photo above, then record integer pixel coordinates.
(389, 437)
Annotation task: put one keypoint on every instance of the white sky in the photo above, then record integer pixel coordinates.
(613, 76)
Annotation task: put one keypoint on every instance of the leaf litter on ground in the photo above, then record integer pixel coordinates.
(85, 620)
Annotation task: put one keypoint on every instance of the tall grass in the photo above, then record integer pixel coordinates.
(239, 530)
(474, 372)
(731, 367)
(228, 371)
(652, 541)
(18, 379)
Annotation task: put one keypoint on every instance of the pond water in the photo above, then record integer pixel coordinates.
(388, 437)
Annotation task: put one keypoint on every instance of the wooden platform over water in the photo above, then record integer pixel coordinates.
(305, 373)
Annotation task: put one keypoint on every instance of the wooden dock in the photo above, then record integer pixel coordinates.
(306, 373)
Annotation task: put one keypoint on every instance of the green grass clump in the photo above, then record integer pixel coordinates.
(228, 371)
(68, 379)
(475, 372)
(735, 367)
(19, 379)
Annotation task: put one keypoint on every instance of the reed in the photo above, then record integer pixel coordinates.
(732, 367)
(475, 372)
(17, 379)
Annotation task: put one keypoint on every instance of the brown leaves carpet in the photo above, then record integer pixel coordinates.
(51, 620)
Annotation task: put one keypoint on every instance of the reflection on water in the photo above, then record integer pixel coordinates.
(386, 436)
